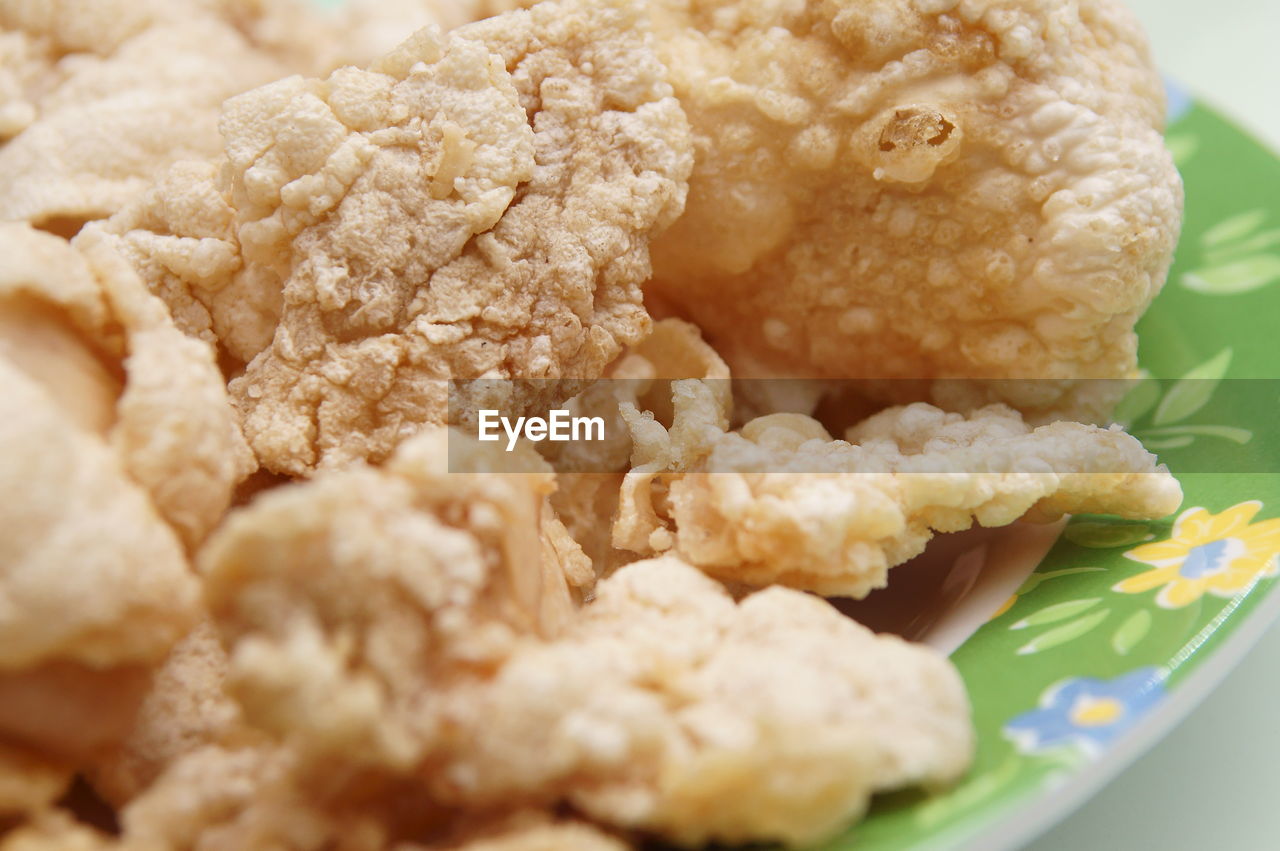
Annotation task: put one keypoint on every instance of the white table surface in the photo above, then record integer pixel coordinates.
(1214, 782)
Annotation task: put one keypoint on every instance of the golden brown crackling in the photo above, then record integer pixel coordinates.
(919, 189)
(352, 288)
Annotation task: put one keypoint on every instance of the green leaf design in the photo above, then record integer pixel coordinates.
(1057, 612)
(1193, 391)
(1237, 226)
(1034, 580)
(1182, 146)
(1133, 630)
(1062, 634)
(1242, 276)
(1235, 435)
(1140, 399)
(1167, 442)
(1102, 536)
(1257, 242)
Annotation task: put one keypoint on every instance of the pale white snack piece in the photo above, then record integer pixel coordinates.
(97, 97)
(781, 502)
(668, 707)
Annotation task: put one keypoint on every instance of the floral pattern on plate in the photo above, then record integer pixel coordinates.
(1221, 554)
(1086, 712)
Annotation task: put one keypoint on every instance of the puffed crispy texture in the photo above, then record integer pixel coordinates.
(115, 423)
(781, 502)
(82, 325)
(376, 627)
(473, 206)
(121, 450)
(434, 570)
(669, 708)
(916, 189)
(97, 97)
(589, 474)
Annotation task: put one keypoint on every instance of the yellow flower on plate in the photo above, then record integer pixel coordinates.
(1220, 554)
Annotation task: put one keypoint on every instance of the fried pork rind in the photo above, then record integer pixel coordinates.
(781, 502)
(91, 573)
(98, 96)
(590, 474)
(915, 189)
(392, 624)
(670, 708)
(344, 600)
(474, 206)
(83, 326)
(186, 708)
(94, 584)
(120, 446)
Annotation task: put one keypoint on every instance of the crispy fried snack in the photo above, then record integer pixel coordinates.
(185, 709)
(434, 571)
(670, 708)
(477, 205)
(589, 475)
(81, 324)
(120, 446)
(97, 97)
(388, 623)
(781, 502)
(916, 189)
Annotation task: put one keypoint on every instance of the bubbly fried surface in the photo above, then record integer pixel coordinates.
(98, 96)
(781, 502)
(918, 188)
(433, 570)
(668, 707)
(185, 708)
(478, 205)
(411, 653)
(404, 639)
(82, 325)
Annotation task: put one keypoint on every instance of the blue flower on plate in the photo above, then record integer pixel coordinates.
(1087, 712)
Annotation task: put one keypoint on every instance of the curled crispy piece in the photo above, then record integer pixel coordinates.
(122, 443)
(781, 502)
(377, 627)
(589, 474)
(98, 96)
(89, 571)
(476, 205)
(918, 189)
(81, 324)
(175, 429)
(670, 708)
(433, 571)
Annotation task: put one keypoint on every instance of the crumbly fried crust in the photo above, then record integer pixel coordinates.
(97, 97)
(781, 502)
(670, 708)
(472, 206)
